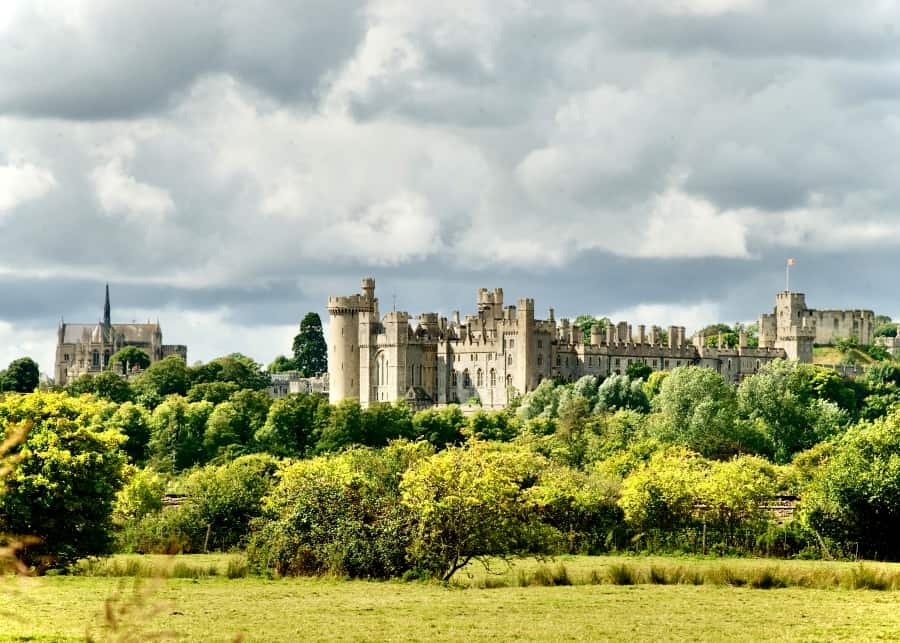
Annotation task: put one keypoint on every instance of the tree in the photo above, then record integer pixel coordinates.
(133, 422)
(854, 498)
(794, 405)
(177, 428)
(439, 426)
(621, 392)
(106, 385)
(22, 376)
(235, 368)
(470, 503)
(585, 322)
(130, 357)
(310, 350)
(168, 376)
(215, 392)
(638, 371)
(344, 427)
(63, 490)
(293, 425)
(698, 410)
(282, 364)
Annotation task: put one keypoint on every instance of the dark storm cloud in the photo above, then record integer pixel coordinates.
(118, 60)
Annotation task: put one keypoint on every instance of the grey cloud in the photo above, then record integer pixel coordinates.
(119, 60)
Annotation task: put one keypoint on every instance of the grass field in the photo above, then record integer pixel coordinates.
(215, 608)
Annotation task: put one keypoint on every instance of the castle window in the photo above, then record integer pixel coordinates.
(493, 379)
(509, 359)
(512, 343)
(509, 381)
(66, 357)
(479, 378)
(95, 359)
(467, 381)
(454, 379)
(616, 362)
(540, 344)
(757, 364)
(729, 364)
(540, 360)
(559, 360)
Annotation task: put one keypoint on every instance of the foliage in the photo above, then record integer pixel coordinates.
(855, 495)
(698, 410)
(638, 371)
(282, 364)
(105, 384)
(337, 515)
(795, 405)
(886, 329)
(293, 424)
(310, 350)
(168, 376)
(177, 429)
(22, 376)
(585, 322)
(63, 490)
(133, 422)
(491, 425)
(663, 493)
(130, 357)
(237, 369)
(141, 495)
(542, 401)
(621, 392)
(440, 427)
(215, 392)
(469, 503)
(653, 384)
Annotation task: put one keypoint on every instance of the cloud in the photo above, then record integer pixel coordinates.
(120, 193)
(21, 182)
(236, 164)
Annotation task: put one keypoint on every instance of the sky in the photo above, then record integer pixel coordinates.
(225, 165)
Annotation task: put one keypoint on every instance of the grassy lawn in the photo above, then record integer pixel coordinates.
(214, 608)
(829, 355)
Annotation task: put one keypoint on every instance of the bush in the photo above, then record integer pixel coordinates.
(62, 492)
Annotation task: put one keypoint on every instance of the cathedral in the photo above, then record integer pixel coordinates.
(86, 348)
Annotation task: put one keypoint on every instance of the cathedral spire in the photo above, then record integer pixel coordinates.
(106, 316)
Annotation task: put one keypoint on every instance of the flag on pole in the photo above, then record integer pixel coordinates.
(790, 262)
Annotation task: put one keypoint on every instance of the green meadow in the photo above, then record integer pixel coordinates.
(191, 598)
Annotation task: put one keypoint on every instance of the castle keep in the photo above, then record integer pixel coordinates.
(502, 351)
(86, 348)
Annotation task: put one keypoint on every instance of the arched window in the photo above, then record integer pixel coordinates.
(479, 378)
(729, 363)
(454, 379)
(95, 359)
(467, 381)
(509, 359)
(493, 379)
(508, 381)
(540, 360)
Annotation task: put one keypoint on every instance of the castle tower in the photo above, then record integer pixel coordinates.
(343, 340)
(795, 326)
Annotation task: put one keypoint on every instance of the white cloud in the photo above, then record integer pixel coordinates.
(21, 182)
(692, 316)
(119, 193)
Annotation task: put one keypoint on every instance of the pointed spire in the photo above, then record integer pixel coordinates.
(106, 313)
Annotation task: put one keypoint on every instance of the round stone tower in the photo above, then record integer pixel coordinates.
(343, 340)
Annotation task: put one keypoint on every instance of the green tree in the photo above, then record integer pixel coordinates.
(293, 425)
(698, 410)
(585, 322)
(440, 427)
(133, 422)
(177, 428)
(106, 385)
(215, 392)
(22, 376)
(129, 358)
(63, 490)
(621, 392)
(235, 368)
(383, 422)
(282, 364)
(638, 371)
(168, 376)
(470, 503)
(854, 498)
(310, 350)
(344, 427)
(141, 495)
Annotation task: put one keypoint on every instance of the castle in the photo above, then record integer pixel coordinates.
(86, 348)
(502, 351)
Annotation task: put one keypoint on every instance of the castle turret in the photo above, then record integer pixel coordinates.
(343, 340)
(795, 326)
